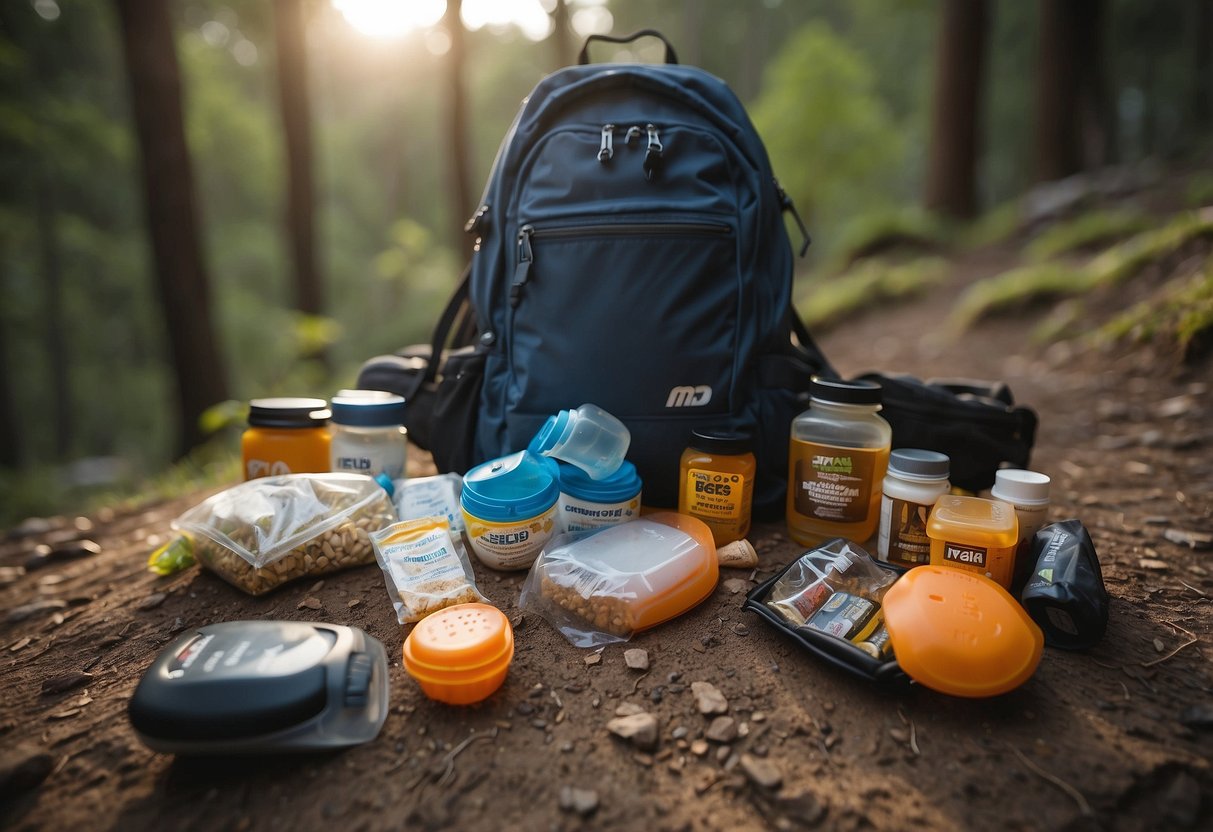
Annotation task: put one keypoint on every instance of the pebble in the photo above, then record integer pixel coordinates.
(762, 773)
(699, 747)
(151, 602)
(582, 801)
(353, 602)
(636, 658)
(20, 644)
(1153, 564)
(316, 587)
(1159, 645)
(628, 709)
(722, 753)
(708, 698)
(593, 659)
(722, 729)
(758, 716)
(638, 729)
(680, 732)
(310, 603)
(900, 735)
(736, 586)
(1193, 540)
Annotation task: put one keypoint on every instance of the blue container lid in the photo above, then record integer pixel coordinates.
(514, 487)
(622, 485)
(367, 412)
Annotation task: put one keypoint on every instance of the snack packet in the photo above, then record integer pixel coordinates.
(835, 566)
(425, 567)
(436, 496)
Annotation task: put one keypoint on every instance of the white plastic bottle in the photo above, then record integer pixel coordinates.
(1028, 492)
(915, 480)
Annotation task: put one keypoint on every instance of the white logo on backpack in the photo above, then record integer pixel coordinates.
(689, 396)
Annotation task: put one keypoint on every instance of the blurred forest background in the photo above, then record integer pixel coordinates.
(204, 201)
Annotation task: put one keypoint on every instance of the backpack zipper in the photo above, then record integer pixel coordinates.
(528, 232)
(606, 147)
(652, 155)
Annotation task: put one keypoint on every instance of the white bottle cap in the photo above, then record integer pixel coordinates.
(1019, 487)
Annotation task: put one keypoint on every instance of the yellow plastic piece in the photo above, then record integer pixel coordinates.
(960, 633)
(974, 534)
(460, 655)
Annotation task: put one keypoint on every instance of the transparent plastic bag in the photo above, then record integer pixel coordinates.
(262, 533)
(436, 496)
(425, 567)
(600, 586)
(836, 566)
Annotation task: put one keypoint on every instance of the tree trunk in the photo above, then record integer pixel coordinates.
(290, 38)
(53, 330)
(462, 197)
(1058, 140)
(1200, 106)
(172, 221)
(562, 35)
(956, 110)
(10, 438)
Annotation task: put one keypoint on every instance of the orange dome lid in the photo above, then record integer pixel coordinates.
(960, 633)
(460, 654)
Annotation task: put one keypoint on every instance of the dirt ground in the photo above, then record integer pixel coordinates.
(1118, 737)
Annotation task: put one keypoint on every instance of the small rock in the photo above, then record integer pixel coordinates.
(1159, 645)
(638, 729)
(900, 735)
(722, 729)
(35, 608)
(353, 602)
(524, 709)
(1193, 540)
(699, 747)
(758, 716)
(151, 601)
(762, 773)
(737, 585)
(708, 698)
(680, 732)
(1153, 564)
(593, 659)
(628, 709)
(643, 759)
(23, 770)
(20, 644)
(740, 629)
(636, 658)
(316, 587)
(311, 602)
(65, 682)
(582, 801)
(722, 753)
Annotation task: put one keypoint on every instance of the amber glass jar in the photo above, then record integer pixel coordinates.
(716, 483)
(286, 436)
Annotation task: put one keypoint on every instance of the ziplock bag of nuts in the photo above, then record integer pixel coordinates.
(265, 532)
(603, 585)
(425, 566)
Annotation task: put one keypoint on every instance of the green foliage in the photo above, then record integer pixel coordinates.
(1181, 313)
(996, 226)
(879, 231)
(828, 300)
(1094, 229)
(1199, 191)
(830, 137)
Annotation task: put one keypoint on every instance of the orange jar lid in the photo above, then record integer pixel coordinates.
(974, 520)
(462, 650)
(960, 633)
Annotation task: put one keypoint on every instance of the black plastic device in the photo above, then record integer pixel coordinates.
(263, 686)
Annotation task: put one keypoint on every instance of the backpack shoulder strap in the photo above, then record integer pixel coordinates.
(456, 325)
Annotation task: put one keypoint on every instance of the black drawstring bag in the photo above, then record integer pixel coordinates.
(1066, 595)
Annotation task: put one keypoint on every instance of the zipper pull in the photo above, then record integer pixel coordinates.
(786, 204)
(633, 133)
(652, 156)
(606, 149)
(522, 271)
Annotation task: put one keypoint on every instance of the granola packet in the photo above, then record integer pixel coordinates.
(425, 567)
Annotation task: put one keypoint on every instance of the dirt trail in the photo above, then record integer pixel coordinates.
(1117, 737)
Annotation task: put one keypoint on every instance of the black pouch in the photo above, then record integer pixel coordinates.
(1066, 595)
(442, 398)
(835, 651)
(976, 423)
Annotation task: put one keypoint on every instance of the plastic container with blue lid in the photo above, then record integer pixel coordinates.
(586, 503)
(510, 508)
(368, 434)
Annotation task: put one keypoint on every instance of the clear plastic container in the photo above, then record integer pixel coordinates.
(836, 462)
(368, 434)
(974, 534)
(600, 587)
(588, 437)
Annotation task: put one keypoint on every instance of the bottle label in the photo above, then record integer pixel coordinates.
(834, 484)
(719, 499)
(256, 468)
(903, 532)
(964, 554)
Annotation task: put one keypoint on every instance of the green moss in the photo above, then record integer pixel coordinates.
(1199, 190)
(1182, 312)
(829, 299)
(1121, 262)
(880, 232)
(993, 227)
(1094, 229)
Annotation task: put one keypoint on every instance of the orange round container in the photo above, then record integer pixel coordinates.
(460, 655)
(286, 436)
(960, 633)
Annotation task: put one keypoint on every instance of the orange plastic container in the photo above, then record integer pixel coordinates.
(286, 436)
(460, 655)
(960, 633)
(974, 534)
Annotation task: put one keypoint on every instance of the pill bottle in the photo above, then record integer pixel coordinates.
(716, 482)
(509, 509)
(1028, 492)
(916, 479)
(974, 534)
(586, 503)
(285, 436)
(368, 434)
(837, 458)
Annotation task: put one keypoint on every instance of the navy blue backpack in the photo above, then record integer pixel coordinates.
(631, 252)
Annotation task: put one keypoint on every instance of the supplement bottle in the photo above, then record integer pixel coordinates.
(1028, 492)
(286, 436)
(916, 479)
(368, 437)
(716, 482)
(974, 534)
(836, 463)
